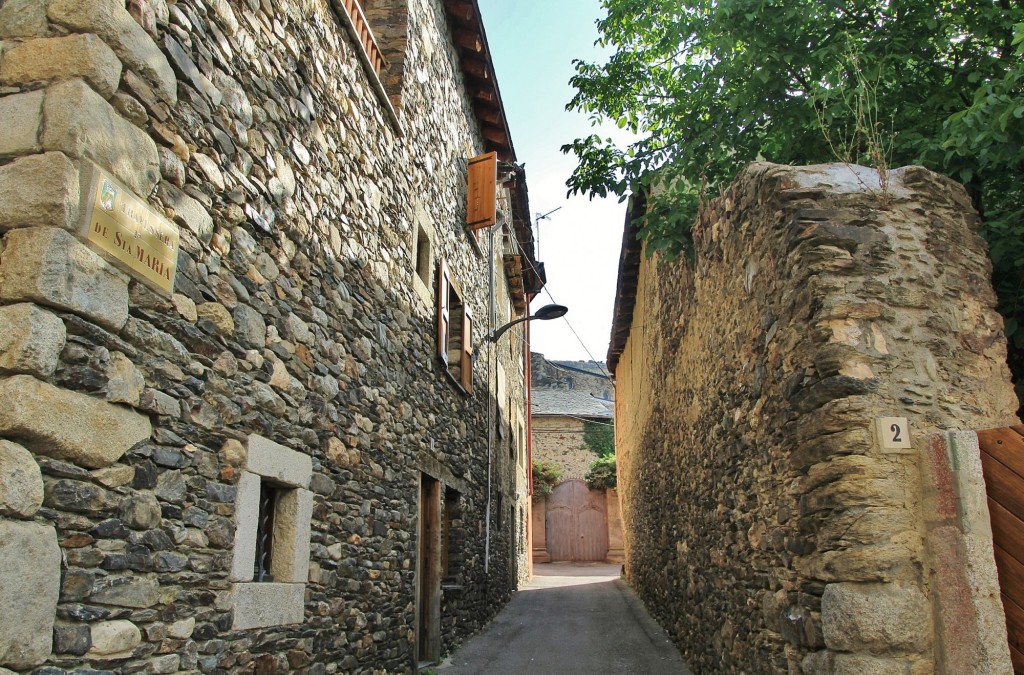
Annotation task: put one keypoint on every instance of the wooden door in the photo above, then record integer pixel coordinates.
(428, 634)
(1002, 461)
(577, 523)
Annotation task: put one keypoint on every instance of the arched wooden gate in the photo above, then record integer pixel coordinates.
(577, 523)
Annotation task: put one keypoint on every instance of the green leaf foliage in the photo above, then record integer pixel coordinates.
(546, 475)
(602, 474)
(599, 437)
(708, 86)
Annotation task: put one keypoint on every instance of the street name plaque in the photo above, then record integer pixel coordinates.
(129, 232)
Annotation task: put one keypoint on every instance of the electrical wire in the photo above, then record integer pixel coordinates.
(577, 371)
(606, 374)
(572, 417)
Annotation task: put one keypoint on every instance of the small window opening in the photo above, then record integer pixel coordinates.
(265, 532)
(455, 336)
(522, 530)
(451, 524)
(454, 331)
(422, 256)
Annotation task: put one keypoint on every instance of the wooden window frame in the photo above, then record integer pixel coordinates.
(364, 34)
(446, 289)
(369, 53)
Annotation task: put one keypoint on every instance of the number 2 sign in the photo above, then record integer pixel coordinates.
(893, 433)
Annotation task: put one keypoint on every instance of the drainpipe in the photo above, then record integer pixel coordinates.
(528, 376)
(490, 413)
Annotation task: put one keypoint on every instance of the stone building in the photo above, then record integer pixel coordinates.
(251, 253)
(589, 376)
(791, 501)
(565, 397)
(558, 417)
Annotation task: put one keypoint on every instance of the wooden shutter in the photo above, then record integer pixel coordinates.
(443, 310)
(480, 200)
(467, 348)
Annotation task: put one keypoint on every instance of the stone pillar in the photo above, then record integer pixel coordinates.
(970, 631)
(540, 545)
(616, 551)
(50, 279)
(29, 563)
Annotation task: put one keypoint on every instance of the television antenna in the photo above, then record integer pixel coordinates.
(539, 217)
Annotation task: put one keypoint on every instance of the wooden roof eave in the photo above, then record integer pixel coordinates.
(628, 279)
(477, 68)
(475, 62)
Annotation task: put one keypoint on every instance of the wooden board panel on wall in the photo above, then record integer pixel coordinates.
(481, 204)
(1002, 461)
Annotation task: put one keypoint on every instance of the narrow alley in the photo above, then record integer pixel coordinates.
(572, 618)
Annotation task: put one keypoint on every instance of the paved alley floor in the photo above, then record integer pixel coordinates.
(572, 618)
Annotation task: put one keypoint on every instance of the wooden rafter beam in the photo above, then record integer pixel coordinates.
(484, 93)
(468, 39)
(460, 9)
(495, 134)
(488, 113)
(476, 68)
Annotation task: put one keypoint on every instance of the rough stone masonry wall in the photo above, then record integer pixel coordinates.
(766, 527)
(124, 415)
(560, 440)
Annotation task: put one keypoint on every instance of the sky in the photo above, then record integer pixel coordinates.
(532, 44)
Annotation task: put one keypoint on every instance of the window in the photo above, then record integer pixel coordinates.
(265, 532)
(513, 338)
(273, 511)
(521, 444)
(450, 539)
(421, 255)
(454, 330)
(501, 400)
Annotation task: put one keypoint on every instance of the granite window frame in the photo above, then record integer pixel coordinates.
(422, 260)
(261, 604)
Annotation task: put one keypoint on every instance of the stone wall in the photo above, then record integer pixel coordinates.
(129, 417)
(767, 527)
(560, 440)
(589, 376)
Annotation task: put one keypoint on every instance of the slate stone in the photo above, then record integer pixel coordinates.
(124, 591)
(219, 492)
(71, 495)
(141, 511)
(170, 457)
(71, 638)
(77, 585)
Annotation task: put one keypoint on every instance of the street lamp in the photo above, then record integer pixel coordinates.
(544, 314)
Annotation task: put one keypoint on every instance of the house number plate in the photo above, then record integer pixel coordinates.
(893, 433)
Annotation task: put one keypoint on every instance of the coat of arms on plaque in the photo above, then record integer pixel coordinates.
(108, 195)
